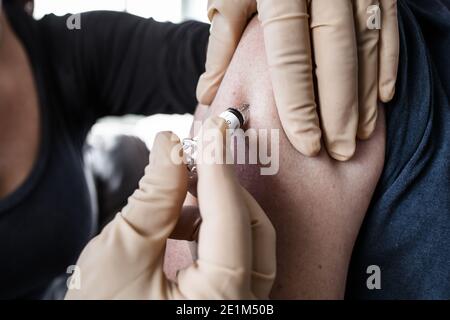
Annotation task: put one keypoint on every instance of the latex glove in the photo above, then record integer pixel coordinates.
(236, 249)
(354, 65)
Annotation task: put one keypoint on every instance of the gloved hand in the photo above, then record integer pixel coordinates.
(236, 249)
(354, 64)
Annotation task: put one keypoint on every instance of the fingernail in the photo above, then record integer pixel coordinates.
(342, 151)
(166, 149)
(387, 91)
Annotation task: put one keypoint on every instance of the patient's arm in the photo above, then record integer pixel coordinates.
(316, 204)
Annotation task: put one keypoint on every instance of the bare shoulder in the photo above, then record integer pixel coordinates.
(316, 204)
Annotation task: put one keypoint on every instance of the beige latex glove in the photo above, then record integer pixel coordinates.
(354, 65)
(236, 249)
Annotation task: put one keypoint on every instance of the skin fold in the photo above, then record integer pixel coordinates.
(236, 251)
(316, 204)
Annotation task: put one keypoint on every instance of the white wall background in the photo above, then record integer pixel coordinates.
(161, 10)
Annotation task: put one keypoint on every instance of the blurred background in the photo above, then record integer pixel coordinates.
(161, 10)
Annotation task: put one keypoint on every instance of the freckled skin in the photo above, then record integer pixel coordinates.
(316, 204)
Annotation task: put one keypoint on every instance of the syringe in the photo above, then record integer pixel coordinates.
(235, 117)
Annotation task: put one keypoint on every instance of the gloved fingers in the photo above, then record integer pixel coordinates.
(228, 21)
(389, 50)
(224, 246)
(154, 208)
(288, 49)
(264, 249)
(367, 33)
(132, 246)
(336, 59)
(224, 237)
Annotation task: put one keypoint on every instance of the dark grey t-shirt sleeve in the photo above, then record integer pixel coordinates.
(406, 229)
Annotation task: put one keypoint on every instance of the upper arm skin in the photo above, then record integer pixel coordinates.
(316, 204)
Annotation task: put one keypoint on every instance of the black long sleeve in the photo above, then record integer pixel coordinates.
(118, 63)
